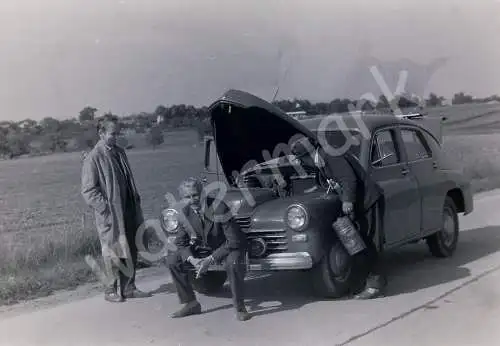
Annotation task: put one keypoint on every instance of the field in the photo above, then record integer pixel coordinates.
(45, 228)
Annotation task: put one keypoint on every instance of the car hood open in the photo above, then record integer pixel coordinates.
(248, 131)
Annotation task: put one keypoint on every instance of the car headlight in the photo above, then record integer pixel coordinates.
(170, 220)
(296, 217)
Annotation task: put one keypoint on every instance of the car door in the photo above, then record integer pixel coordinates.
(402, 201)
(423, 163)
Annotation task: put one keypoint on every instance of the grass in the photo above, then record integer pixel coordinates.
(39, 267)
(478, 157)
(46, 230)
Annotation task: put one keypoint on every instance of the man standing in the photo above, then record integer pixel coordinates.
(108, 187)
(206, 237)
(360, 198)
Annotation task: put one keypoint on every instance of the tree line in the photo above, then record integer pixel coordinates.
(49, 135)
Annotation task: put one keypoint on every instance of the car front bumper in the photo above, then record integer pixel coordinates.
(279, 261)
(282, 261)
(276, 261)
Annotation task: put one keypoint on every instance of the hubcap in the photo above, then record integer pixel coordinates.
(448, 228)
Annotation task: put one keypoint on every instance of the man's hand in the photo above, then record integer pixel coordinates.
(347, 208)
(203, 265)
(194, 261)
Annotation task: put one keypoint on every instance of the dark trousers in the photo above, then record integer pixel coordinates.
(373, 256)
(129, 281)
(235, 269)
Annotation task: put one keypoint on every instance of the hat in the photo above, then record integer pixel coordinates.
(302, 147)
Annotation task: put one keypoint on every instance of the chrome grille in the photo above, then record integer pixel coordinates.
(244, 223)
(276, 239)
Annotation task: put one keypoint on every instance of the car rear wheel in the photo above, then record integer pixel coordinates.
(210, 282)
(337, 274)
(444, 242)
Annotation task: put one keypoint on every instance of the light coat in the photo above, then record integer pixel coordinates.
(104, 189)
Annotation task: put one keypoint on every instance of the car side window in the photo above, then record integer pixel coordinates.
(415, 145)
(384, 151)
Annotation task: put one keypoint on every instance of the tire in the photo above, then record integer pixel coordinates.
(209, 283)
(337, 274)
(444, 243)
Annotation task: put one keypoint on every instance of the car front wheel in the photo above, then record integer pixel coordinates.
(444, 242)
(337, 274)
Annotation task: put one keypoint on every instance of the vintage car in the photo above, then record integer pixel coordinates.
(285, 209)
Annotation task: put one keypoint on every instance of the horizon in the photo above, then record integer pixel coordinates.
(130, 56)
(100, 113)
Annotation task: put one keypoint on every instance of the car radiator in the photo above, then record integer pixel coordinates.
(275, 239)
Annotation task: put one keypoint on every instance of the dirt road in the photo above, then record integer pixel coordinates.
(430, 302)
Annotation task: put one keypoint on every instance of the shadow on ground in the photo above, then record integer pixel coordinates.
(166, 288)
(410, 269)
(413, 267)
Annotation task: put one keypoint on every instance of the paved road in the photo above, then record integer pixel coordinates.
(430, 302)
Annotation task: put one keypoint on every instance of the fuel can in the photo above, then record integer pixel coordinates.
(349, 235)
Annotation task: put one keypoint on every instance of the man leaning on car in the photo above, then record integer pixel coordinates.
(359, 195)
(205, 238)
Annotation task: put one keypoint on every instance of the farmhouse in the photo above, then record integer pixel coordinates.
(297, 114)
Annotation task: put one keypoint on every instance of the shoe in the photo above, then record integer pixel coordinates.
(369, 293)
(113, 297)
(242, 314)
(187, 310)
(135, 293)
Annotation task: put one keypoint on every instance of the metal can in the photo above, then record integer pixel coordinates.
(349, 235)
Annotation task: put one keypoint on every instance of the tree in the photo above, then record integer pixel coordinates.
(366, 105)
(405, 100)
(383, 102)
(53, 142)
(18, 144)
(87, 114)
(50, 125)
(434, 100)
(155, 136)
(461, 98)
(4, 145)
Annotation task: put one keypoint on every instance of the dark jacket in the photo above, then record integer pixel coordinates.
(357, 186)
(221, 233)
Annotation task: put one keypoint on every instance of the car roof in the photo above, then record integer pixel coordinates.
(372, 121)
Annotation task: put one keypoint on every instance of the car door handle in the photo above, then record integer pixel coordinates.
(405, 171)
(434, 164)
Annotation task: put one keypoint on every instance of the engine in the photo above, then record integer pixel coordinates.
(287, 182)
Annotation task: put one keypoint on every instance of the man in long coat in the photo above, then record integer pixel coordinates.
(108, 187)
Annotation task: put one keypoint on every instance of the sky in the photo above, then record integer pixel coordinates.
(127, 56)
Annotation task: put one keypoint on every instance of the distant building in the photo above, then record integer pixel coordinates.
(297, 114)
(26, 123)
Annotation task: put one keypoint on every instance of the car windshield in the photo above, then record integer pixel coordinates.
(337, 139)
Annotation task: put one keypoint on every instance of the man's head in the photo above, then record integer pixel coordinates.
(304, 150)
(108, 129)
(190, 190)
